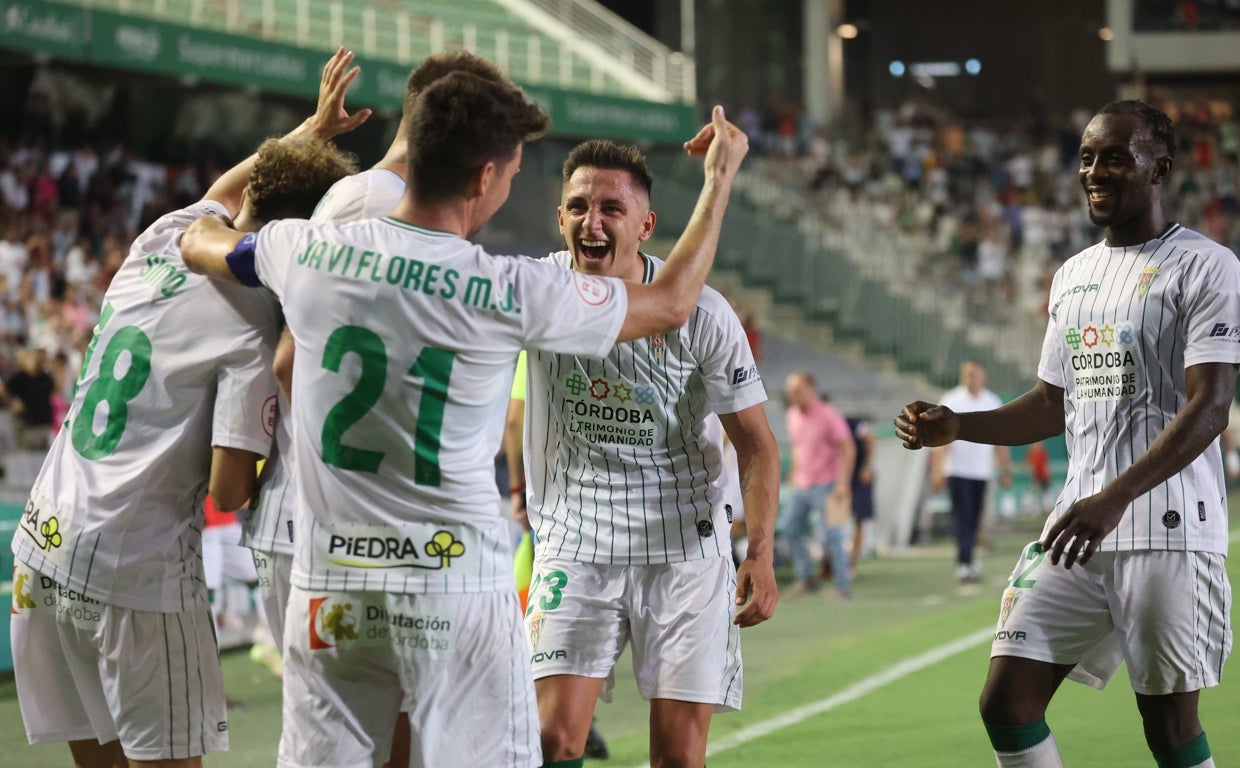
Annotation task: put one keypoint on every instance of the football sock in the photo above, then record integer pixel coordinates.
(1194, 754)
(575, 763)
(1024, 746)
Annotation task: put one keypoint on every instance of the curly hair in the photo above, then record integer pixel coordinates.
(1154, 119)
(609, 156)
(292, 175)
(461, 122)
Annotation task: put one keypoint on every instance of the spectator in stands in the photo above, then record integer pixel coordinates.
(28, 394)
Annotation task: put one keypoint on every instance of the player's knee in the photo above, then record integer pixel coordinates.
(1001, 705)
(561, 742)
(676, 756)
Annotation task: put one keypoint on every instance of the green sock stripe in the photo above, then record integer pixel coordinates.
(577, 763)
(1017, 738)
(1187, 755)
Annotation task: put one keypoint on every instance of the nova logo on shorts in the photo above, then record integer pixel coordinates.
(365, 551)
(330, 622)
(547, 656)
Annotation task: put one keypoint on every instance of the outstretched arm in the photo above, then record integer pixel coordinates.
(1035, 415)
(1210, 388)
(757, 458)
(666, 303)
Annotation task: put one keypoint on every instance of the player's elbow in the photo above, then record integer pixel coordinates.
(230, 497)
(233, 477)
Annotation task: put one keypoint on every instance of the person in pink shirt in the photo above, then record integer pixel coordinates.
(822, 454)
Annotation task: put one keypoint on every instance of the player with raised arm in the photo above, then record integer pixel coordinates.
(405, 335)
(1138, 366)
(113, 635)
(373, 193)
(626, 492)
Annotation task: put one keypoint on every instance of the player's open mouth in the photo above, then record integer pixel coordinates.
(1099, 195)
(594, 249)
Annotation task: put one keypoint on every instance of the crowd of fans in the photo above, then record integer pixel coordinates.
(999, 205)
(67, 219)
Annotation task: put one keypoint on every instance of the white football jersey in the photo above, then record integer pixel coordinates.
(367, 195)
(405, 343)
(178, 363)
(623, 455)
(269, 526)
(1124, 325)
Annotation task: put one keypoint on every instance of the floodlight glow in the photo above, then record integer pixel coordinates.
(896, 68)
(846, 31)
(973, 66)
(1106, 35)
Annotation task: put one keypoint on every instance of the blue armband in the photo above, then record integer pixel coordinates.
(241, 261)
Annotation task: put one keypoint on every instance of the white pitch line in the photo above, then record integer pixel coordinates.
(859, 688)
(849, 694)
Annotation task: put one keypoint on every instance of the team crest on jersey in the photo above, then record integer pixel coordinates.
(658, 348)
(331, 622)
(1171, 519)
(705, 529)
(536, 628)
(1146, 280)
(1009, 603)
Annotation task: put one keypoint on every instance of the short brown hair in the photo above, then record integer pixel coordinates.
(440, 65)
(292, 175)
(461, 122)
(610, 156)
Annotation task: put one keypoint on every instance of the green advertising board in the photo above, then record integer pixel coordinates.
(148, 45)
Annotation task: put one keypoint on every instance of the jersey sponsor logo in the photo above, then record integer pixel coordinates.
(1146, 280)
(162, 275)
(608, 424)
(1006, 634)
(270, 415)
(744, 376)
(538, 656)
(1107, 335)
(1225, 332)
(594, 291)
(1171, 520)
(413, 546)
(331, 621)
(41, 527)
(1105, 370)
(599, 389)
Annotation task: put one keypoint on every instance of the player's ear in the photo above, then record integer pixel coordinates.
(1162, 169)
(482, 180)
(559, 218)
(648, 226)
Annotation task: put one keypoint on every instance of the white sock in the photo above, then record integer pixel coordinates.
(1044, 754)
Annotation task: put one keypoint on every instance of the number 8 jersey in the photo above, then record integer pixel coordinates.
(178, 363)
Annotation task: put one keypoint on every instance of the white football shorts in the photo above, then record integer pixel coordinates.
(1164, 613)
(79, 661)
(678, 617)
(458, 662)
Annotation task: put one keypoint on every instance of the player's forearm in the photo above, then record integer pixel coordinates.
(514, 427)
(205, 246)
(666, 302)
(1199, 422)
(759, 471)
(1035, 415)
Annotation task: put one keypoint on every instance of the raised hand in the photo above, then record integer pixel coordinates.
(723, 144)
(331, 118)
(926, 425)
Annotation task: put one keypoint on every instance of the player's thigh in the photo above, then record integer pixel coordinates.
(1057, 615)
(342, 689)
(685, 646)
(169, 680)
(466, 675)
(52, 708)
(575, 618)
(1173, 611)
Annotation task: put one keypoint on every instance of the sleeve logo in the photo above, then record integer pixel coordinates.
(744, 376)
(270, 415)
(594, 291)
(1225, 332)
